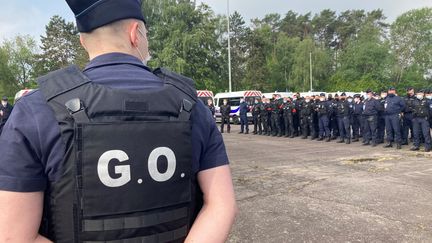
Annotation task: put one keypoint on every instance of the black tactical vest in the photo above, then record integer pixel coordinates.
(127, 171)
(421, 108)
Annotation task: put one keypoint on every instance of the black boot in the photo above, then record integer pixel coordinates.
(328, 139)
(341, 141)
(348, 141)
(320, 138)
(388, 145)
(415, 148)
(398, 146)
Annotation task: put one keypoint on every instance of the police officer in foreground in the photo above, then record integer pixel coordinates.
(74, 169)
(275, 116)
(371, 108)
(225, 111)
(5, 111)
(288, 117)
(422, 111)
(306, 118)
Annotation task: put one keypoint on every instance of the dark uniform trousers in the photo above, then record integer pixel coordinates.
(225, 120)
(381, 128)
(407, 126)
(323, 124)
(275, 124)
(357, 126)
(288, 123)
(264, 121)
(334, 126)
(370, 129)
(421, 126)
(307, 126)
(244, 123)
(257, 124)
(344, 125)
(393, 128)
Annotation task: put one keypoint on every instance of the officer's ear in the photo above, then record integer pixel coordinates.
(134, 33)
(82, 42)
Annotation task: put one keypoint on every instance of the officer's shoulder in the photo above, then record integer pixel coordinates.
(181, 82)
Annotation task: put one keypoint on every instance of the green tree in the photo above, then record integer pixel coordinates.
(183, 37)
(411, 42)
(20, 53)
(60, 47)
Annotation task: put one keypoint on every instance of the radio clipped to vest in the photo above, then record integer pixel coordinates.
(127, 170)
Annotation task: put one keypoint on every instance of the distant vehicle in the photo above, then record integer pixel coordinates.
(234, 100)
(22, 93)
(205, 95)
(282, 94)
(311, 93)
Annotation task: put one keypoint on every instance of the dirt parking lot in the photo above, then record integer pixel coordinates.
(295, 190)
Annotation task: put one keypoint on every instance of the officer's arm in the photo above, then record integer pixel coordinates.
(216, 218)
(20, 217)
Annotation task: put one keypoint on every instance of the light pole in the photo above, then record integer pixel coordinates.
(229, 48)
(310, 59)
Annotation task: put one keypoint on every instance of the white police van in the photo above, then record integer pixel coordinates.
(205, 95)
(21, 93)
(282, 94)
(234, 100)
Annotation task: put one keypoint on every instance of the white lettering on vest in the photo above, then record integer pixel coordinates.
(123, 170)
(153, 161)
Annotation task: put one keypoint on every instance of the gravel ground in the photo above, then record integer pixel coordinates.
(295, 190)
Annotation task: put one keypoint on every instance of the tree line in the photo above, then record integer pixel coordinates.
(353, 50)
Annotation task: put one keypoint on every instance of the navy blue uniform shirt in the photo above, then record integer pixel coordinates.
(393, 105)
(371, 107)
(32, 149)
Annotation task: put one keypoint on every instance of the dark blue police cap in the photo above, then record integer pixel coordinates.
(343, 94)
(92, 14)
(322, 95)
(391, 88)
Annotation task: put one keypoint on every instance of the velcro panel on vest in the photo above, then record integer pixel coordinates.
(134, 178)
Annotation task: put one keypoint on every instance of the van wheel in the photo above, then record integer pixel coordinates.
(236, 120)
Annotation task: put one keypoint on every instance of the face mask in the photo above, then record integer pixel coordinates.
(350, 100)
(429, 97)
(383, 96)
(285, 101)
(4, 103)
(225, 103)
(295, 98)
(420, 97)
(148, 58)
(307, 101)
(322, 99)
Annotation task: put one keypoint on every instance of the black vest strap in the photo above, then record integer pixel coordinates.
(62, 81)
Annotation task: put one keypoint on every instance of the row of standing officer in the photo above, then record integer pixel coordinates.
(349, 118)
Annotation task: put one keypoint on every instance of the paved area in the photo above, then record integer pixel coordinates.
(294, 190)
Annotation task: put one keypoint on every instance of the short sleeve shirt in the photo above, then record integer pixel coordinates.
(31, 147)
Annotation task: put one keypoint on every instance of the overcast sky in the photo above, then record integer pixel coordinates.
(31, 16)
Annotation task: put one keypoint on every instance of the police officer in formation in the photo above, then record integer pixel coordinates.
(357, 118)
(225, 111)
(307, 112)
(407, 119)
(5, 111)
(323, 109)
(378, 115)
(257, 115)
(422, 112)
(244, 123)
(288, 109)
(276, 111)
(393, 107)
(73, 170)
(343, 114)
